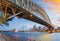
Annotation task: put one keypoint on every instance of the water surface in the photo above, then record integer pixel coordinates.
(33, 36)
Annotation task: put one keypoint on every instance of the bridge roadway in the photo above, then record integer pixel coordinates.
(14, 10)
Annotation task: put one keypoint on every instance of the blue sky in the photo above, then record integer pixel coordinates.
(47, 5)
(52, 7)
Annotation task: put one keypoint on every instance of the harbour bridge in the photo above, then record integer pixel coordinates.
(26, 9)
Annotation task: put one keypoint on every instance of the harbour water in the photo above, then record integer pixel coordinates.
(33, 36)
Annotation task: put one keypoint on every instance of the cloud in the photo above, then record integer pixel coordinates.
(54, 5)
(58, 19)
(51, 1)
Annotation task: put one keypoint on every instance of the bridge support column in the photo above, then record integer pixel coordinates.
(13, 11)
(16, 2)
(4, 11)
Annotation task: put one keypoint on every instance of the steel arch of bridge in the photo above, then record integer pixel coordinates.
(24, 9)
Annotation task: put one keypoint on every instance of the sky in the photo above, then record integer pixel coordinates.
(52, 8)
